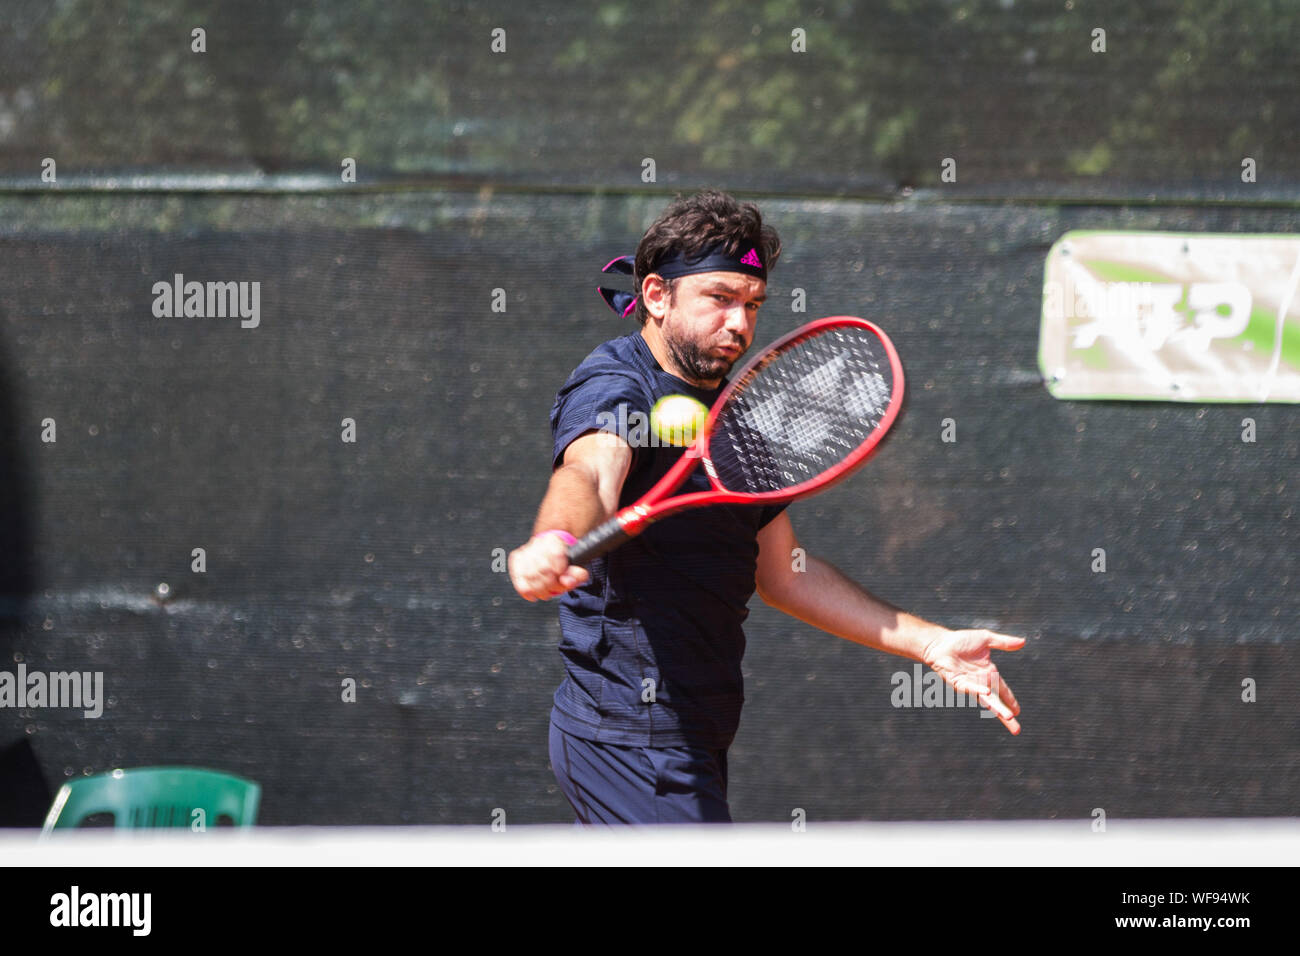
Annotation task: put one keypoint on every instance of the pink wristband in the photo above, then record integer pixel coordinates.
(567, 538)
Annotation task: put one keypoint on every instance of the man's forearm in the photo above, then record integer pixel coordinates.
(824, 597)
(572, 502)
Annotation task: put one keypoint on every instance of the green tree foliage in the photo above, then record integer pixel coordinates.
(712, 91)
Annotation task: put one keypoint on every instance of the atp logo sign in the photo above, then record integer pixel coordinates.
(1177, 317)
(1150, 315)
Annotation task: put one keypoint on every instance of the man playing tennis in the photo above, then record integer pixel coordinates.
(651, 634)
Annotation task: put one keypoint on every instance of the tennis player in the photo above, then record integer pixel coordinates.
(651, 633)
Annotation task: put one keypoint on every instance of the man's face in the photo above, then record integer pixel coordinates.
(710, 321)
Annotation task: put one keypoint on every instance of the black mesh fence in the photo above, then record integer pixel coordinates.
(374, 561)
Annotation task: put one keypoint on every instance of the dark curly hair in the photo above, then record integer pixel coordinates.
(692, 224)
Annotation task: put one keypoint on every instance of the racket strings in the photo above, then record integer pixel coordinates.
(803, 412)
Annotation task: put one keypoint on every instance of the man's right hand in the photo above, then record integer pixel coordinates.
(540, 569)
(583, 492)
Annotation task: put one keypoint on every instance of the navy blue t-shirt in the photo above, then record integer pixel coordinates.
(652, 643)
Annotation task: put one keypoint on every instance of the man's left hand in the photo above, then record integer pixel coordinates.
(962, 659)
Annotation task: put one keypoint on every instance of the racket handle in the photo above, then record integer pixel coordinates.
(600, 540)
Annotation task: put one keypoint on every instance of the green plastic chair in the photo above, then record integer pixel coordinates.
(156, 797)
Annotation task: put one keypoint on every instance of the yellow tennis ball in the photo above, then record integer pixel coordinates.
(677, 419)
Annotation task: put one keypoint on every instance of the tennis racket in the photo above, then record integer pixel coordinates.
(800, 416)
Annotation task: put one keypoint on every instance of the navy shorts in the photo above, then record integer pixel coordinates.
(607, 783)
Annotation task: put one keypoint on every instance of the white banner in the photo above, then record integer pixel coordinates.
(1171, 316)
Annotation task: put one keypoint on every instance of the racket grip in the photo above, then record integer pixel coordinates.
(600, 540)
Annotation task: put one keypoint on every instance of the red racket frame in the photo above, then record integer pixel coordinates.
(651, 507)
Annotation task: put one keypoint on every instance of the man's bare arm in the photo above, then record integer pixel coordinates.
(584, 490)
(821, 595)
(582, 494)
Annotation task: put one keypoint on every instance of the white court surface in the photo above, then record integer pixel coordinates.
(1201, 843)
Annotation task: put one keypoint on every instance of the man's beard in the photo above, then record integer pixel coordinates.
(697, 362)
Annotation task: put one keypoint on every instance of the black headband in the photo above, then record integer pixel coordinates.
(712, 259)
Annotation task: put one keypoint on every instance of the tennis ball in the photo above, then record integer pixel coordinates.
(677, 419)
